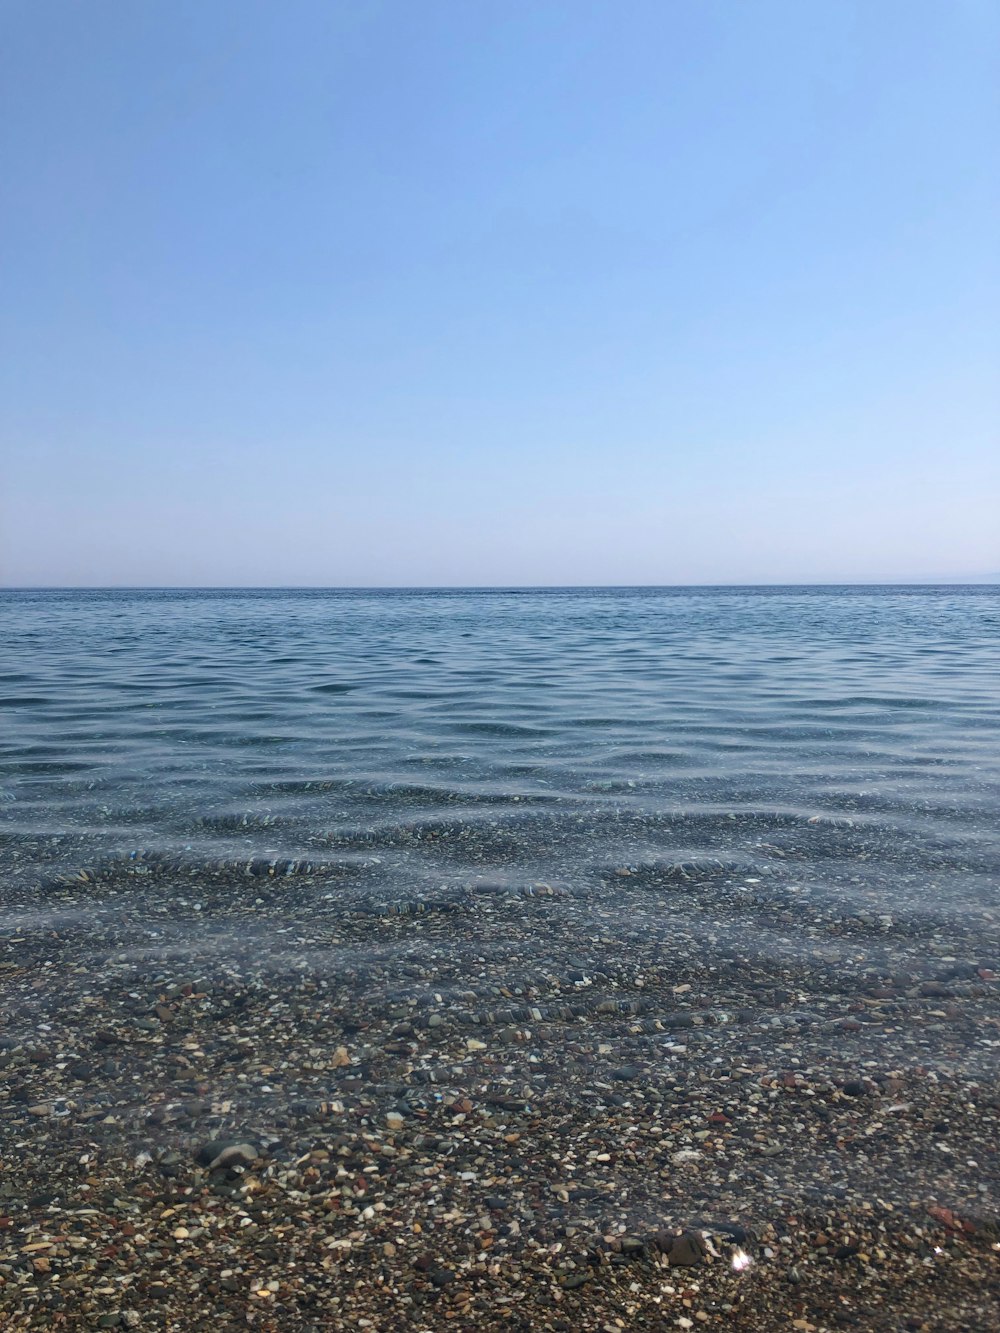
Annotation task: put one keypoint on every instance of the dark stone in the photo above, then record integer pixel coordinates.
(626, 1073)
(687, 1249)
(442, 1277)
(220, 1153)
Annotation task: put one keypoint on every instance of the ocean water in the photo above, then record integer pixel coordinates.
(428, 740)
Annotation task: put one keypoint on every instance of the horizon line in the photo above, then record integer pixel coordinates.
(985, 580)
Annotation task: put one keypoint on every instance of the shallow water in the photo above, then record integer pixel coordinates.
(592, 863)
(443, 736)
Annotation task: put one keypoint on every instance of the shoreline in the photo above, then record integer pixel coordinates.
(498, 1110)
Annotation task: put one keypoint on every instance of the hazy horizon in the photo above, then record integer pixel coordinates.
(986, 580)
(381, 295)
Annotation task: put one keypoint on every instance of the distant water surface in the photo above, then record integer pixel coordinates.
(447, 736)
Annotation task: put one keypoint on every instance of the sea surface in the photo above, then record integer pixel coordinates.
(542, 736)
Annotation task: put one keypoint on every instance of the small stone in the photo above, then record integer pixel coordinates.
(222, 1153)
(472, 1044)
(935, 990)
(170, 1164)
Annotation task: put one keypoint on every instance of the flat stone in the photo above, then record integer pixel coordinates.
(222, 1153)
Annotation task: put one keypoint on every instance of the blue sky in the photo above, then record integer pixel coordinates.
(345, 292)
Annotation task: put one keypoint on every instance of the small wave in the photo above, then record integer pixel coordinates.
(60, 767)
(499, 729)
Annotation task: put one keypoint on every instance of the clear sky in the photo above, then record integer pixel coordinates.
(499, 291)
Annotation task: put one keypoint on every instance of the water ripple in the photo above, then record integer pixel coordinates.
(844, 737)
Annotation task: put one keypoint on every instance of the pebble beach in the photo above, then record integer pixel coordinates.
(475, 1114)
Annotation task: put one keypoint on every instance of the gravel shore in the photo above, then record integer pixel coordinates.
(240, 1096)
